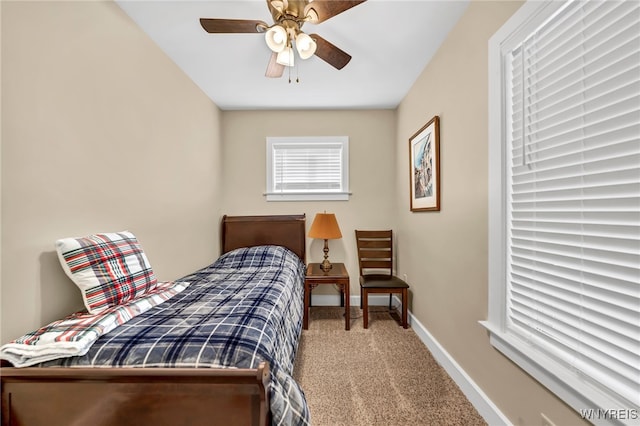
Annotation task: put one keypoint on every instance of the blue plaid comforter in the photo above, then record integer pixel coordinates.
(243, 309)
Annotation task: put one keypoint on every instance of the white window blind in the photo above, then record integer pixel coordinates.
(571, 123)
(307, 168)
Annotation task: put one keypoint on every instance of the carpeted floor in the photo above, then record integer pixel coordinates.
(380, 376)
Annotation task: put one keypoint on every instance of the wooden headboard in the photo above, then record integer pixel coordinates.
(248, 231)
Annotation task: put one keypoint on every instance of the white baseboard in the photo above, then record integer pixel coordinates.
(487, 409)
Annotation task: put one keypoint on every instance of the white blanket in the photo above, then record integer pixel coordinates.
(74, 335)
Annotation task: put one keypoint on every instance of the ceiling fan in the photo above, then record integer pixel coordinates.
(289, 16)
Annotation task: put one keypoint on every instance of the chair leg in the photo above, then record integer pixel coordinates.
(404, 308)
(390, 304)
(365, 308)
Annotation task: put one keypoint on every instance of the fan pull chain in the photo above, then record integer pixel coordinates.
(297, 74)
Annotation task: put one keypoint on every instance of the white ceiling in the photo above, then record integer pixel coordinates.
(391, 41)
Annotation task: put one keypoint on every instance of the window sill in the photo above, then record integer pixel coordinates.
(306, 196)
(577, 392)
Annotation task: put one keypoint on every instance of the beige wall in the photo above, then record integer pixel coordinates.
(101, 132)
(371, 152)
(444, 253)
(86, 93)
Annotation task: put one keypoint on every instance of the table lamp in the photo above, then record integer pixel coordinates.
(325, 226)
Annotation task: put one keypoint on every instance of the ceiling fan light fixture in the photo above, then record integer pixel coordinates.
(288, 18)
(286, 57)
(305, 46)
(276, 38)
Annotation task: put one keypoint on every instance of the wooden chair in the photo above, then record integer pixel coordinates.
(375, 259)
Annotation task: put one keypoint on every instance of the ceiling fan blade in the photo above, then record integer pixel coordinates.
(330, 53)
(321, 10)
(213, 25)
(274, 69)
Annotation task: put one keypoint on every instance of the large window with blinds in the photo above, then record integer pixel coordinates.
(307, 168)
(564, 261)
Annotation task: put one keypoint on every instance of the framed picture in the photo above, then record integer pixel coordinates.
(424, 167)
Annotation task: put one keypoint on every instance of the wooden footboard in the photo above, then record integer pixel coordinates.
(135, 396)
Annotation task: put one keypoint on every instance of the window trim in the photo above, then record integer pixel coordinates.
(577, 394)
(342, 195)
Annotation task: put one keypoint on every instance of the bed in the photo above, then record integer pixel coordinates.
(195, 375)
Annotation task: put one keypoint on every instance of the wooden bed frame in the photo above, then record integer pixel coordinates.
(154, 396)
(249, 231)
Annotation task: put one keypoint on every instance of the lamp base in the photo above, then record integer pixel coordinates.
(326, 265)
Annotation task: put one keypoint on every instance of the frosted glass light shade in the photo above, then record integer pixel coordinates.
(285, 57)
(276, 38)
(280, 6)
(305, 46)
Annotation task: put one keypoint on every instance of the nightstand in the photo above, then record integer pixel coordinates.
(336, 275)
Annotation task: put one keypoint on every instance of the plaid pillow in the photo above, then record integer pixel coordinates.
(109, 269)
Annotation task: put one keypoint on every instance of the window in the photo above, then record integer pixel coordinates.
(307, 168)
(564, 244)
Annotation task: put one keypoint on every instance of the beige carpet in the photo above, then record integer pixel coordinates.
(380, 376)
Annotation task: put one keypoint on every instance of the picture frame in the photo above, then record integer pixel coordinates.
(424, 167)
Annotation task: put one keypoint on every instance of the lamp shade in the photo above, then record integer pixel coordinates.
(325, 226)
(305, 46)
(276, 38)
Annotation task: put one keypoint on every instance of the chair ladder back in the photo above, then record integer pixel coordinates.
(375, 251)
